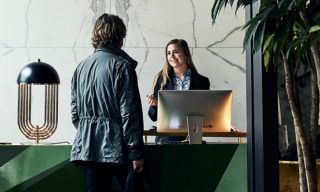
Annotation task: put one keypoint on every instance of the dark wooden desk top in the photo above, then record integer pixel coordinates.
(153, 132)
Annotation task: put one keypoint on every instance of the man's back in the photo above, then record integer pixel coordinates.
(105, 92)
(106, 109)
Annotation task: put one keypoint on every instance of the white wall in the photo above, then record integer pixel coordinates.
(58, 32)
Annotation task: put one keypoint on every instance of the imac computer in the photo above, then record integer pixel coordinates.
(194, 111)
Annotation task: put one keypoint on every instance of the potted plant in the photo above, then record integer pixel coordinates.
(287, 32)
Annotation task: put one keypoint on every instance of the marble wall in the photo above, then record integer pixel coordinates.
(58, 32)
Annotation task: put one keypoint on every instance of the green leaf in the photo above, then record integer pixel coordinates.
(216, 8)
(258, 36)
(249, 33)
(266, 59)
(297, 44)
(286, 5)
(257, 25)
(289, 51)
(268, 42)
(299, 25)
(278, 44)
(298, 28)
(265, 4)
(243, 3)
(289, 6)
(239, 4)
(265, 13)
(253, 21)
(314, 28)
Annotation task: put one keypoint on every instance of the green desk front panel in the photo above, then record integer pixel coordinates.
(169, 168)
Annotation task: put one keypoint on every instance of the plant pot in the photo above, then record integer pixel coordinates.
(289, 175)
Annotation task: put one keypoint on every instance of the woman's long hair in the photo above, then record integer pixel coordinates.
(167, 68)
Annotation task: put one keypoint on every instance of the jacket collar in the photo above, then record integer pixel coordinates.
(117, 51)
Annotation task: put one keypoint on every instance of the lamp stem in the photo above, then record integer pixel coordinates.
(37, 134)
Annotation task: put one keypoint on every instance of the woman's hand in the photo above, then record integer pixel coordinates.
(151, 100)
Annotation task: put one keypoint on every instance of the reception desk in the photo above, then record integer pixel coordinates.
(169, 168)
(232, 134)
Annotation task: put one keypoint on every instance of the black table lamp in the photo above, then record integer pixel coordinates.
(38, 73)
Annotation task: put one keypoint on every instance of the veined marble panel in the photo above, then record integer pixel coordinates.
(58, 32)
(12, 16)
(148, 67)
(152, 23)
(36, 23)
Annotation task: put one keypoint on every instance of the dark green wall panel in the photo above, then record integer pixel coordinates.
(233, 180)
(169, 168)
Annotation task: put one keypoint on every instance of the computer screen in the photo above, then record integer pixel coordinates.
(213, 105)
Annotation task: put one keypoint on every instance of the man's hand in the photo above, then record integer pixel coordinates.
(138, 165)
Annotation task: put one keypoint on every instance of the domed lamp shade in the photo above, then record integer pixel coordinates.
(38, 73)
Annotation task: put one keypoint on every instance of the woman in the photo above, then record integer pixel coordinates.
(178, 73)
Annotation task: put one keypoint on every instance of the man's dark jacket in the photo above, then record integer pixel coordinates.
(106, 108)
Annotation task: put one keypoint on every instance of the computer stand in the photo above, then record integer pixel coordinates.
(194, 125)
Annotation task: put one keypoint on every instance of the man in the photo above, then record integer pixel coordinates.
(106, 109)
